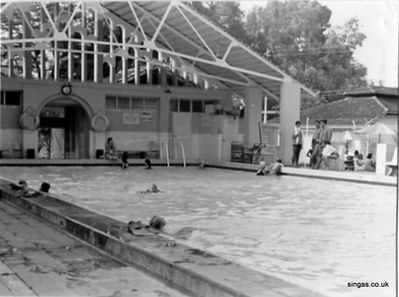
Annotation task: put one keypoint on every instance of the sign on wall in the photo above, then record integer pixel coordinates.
(146, 116)
(131, 118)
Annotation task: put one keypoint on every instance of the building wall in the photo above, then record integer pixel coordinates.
(128, 136)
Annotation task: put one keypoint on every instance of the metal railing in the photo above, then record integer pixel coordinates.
(183, 153)
(166, 151)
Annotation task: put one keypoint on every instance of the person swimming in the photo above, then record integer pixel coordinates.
(153, 189)
(157, 222)
(45, 187)
(261, 168)
(274, 168)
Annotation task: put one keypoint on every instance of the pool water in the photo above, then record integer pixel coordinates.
(318, 234)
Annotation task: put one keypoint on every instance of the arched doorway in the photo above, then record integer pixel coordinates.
(64, 130)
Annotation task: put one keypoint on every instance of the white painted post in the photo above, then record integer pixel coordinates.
(380, 158)
(290, 101)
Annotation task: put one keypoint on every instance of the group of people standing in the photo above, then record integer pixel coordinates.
(321, 138)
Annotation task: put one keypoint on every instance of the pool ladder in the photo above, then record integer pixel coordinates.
(182, 153)
(164, 144)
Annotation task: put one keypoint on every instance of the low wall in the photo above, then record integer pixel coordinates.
(193, 271)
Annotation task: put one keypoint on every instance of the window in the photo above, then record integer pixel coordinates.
(124, 103)
(131, 103)
(185, 105)
(137, 104)
(198, 106)
(11, 98)
(110, 102)
(174, 105)
(150, 104)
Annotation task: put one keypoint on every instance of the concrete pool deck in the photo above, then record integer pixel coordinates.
(194, 272)
(36, 259)
(350, 176)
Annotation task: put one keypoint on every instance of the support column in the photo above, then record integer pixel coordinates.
(380, 158)
(29, 141)
(10, 60)
(98, 56)
(164, 113)
(252, 115)
(27, 55)
(290, 102)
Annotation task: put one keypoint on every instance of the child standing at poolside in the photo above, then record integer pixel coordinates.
(125, 163)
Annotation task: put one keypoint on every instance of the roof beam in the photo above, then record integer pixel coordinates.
(196, 32)
(227, 35)
(192, 43)
(162, 22)
(137, 20)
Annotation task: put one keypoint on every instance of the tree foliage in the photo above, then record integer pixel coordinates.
(297, 36)
(227, 14)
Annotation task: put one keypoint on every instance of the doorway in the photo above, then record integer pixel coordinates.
(64, 131)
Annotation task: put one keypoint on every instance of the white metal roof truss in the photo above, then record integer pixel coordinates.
(173, 29)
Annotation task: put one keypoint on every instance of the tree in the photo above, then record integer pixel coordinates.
(226, 14)
(297, 36)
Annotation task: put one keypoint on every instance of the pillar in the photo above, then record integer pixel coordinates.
(164, 115)
(98, 58)
(290, 101)
(29, 141)
(99, 141)
(380, 158)
(252, 116)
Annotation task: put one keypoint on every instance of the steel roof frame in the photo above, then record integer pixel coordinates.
(158, 41)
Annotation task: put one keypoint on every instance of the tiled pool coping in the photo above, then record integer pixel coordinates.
(193, 271)
(351, 176)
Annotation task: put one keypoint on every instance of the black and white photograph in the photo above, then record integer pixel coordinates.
(199, 148)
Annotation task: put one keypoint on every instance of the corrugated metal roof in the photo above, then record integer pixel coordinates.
(361, 110)
(196, 40)
(186, 40)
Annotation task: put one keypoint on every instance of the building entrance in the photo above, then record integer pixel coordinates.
(64, 131)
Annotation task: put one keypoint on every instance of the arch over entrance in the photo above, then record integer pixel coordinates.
(64, 129)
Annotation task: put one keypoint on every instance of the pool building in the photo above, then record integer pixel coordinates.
(154, 76)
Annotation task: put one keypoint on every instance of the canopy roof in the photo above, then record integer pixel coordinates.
(173, 29)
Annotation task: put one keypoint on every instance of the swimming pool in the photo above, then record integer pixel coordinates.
(319, 234)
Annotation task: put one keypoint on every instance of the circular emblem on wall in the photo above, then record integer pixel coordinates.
(29, 121)
(66, 89)
(99, 123)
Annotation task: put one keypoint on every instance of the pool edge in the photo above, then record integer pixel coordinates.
(178, 270)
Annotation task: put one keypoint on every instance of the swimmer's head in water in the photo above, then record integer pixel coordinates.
(23, 183)
(154, 188)
(45, 187)
(157, 222)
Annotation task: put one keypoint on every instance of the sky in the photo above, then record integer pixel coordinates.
(378, 21)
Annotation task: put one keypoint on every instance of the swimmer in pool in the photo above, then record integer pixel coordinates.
(273, 169)
(157, 222)
(153, 189)
(45, 187)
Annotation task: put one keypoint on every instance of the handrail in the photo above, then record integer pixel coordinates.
(167, 153)
(183, 154)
